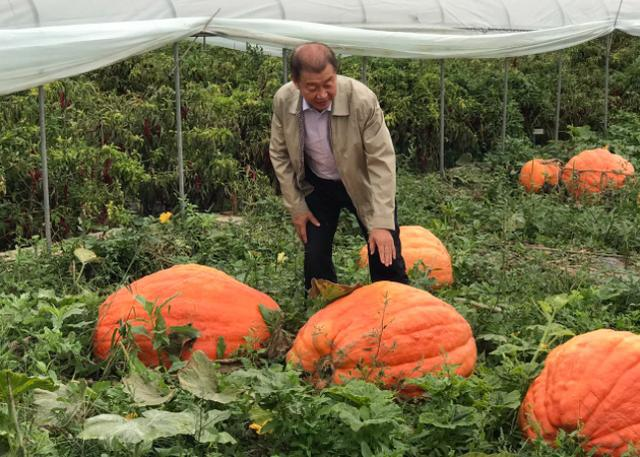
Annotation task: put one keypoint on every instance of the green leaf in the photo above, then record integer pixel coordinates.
(546, 308)
(148, 389)
(85, 255)
(20, 383)
(215, 416)
(165, 423)
(349, 415)
(185, 331)
(200, 378)
(221, 347)
(260, 415)
(482, 454)
(509, 400)
(217, 437)
(508, 349)
(365, 450)
(53, 407)
(209, 433)
(457, 416)
(272, 317)
(139, 330)
(329, 291)
(7, 429)
(515, 222)
(153, 425)
(110, 427)
(359, 393)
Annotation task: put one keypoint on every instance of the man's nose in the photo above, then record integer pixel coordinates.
(322, 94)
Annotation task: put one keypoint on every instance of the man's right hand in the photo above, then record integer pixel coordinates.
(300, 223)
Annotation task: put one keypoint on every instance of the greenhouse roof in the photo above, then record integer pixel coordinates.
(43, 40)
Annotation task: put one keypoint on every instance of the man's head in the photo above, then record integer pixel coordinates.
(314, 72)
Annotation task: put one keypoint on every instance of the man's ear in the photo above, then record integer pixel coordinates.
(296, 83)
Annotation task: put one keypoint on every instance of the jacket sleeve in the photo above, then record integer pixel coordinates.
(381, 165)
(291, 195)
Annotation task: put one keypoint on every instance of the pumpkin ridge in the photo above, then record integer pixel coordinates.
(601, 400)
(597, 431)
(435, 357)
(555, 420)
(404, 369)
(371, 332)
(548, 390)
(529, 415)
(453, 345)
(609, 449)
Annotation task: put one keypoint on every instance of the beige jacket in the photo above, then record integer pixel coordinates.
(361, 146)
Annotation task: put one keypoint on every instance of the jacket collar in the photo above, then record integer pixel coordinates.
(340, 105)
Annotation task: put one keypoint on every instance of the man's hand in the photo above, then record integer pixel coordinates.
(382, 240)
(300, 223)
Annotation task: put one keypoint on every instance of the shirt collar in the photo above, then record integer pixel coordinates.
(306, 106)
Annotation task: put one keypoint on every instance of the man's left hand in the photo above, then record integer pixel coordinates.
(382, 240)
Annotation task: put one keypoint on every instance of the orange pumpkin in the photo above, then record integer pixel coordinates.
(215, 304)
(384, 331)
(419, 244)
(540, 174)
(595, 170)
(590, 383)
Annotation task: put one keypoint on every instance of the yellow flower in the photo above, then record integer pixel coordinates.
(257, 427)
(165, 217)
(282, 257)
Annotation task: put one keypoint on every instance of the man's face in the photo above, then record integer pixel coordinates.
(318, 89)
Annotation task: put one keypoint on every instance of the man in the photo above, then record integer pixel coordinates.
(331, 149)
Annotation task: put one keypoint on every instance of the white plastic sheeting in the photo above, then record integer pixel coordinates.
(43, 40)
(418, 15)
(33, 56)
(431, 45)
(629, 17)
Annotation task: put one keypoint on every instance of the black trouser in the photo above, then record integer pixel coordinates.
(325, 202)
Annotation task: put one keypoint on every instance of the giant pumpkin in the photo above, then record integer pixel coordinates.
(540, 174)
(595, 170)
(591, 383)
(213, 302)
(387, 332)
(419, 244)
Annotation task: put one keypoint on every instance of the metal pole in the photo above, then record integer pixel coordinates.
(363, 70)
(442, 118)
(285, 67)
(505, 100)
(556, 132)
(606, 85)
(176, 58)
(45, 170)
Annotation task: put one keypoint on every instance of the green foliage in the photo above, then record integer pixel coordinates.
(200, 377)
(112, 144)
